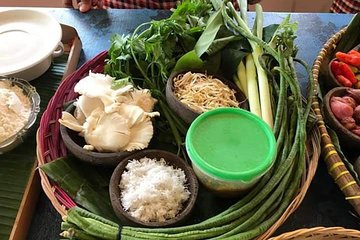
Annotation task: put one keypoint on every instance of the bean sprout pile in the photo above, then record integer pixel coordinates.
(203, 92)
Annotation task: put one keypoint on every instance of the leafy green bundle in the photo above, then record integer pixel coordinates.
(149, 54)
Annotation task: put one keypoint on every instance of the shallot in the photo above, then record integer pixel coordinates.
(356, 130)
(354, 93)
(350, 100)
(340, 108)
(356, 114)
(348, 122)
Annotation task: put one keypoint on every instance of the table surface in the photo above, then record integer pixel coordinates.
(324, 204)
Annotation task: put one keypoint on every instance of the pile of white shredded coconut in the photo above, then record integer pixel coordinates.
(152, 191)
(15, 109)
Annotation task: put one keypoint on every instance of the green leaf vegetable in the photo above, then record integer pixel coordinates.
(351, 37)
(149, 54)
(83, 183)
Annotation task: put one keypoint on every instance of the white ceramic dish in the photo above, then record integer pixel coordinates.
(29, 40)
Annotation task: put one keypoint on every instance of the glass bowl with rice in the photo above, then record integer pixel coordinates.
(19, 107)
(192, 92)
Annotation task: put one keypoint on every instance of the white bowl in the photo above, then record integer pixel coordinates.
(29, 40)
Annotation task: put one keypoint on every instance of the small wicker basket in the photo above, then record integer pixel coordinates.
(330, 233)
(334, 163)
(51, 147)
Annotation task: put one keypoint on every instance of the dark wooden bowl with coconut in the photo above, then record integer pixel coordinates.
(153, 188)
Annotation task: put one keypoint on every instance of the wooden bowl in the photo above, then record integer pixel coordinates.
(346, 137)
(332, 82)
(74, 143)
(171, 159)
(183, 110)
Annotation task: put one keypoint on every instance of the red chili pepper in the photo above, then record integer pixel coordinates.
(351, 59)
(344, 81)
(354, 52)
(335, 68)
(347, 72)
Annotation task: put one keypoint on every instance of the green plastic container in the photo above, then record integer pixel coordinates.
(230, 149)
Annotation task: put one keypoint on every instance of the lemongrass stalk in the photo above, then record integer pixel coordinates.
(237, 82)
(241, 76)
(264, 89)
(253, 91)
(263, 82)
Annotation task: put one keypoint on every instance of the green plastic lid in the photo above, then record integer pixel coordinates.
(231, 144)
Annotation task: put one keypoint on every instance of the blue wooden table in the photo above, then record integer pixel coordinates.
(324, 204)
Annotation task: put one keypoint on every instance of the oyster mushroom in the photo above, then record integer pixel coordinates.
(141, 128)
(111, 120)
(106, 132)
(70, 122)
(85, 106)
(138, 97)
(96, 85)
(140, 136)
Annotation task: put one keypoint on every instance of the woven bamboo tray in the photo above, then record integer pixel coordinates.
(50, 145)
(330, 233)
(334, 163)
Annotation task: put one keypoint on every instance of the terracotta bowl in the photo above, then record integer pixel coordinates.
(171, 159)
(74, 143)
(183, 110)
(346, 137)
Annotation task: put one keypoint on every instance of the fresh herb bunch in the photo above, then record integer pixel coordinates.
(149, 54)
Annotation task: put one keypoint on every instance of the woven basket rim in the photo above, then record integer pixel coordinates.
(336, 167)
(45, 132)
(319, 233)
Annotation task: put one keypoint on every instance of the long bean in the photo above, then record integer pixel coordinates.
(87, 214)
(291, 190)
(281, 102)
(66, 225)
(267, 204)
(73, 233)
(194, 234)
(93, 227)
